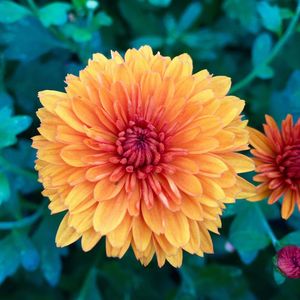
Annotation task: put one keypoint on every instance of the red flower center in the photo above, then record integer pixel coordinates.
(289, 162)
(140, 146)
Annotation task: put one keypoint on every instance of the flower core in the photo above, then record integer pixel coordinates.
(140, 147)
(289, 163)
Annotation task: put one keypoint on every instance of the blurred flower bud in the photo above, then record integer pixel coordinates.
(92, 4)
(288, 261)
(229, 247)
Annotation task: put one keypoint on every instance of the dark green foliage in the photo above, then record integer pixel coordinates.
(257, 43)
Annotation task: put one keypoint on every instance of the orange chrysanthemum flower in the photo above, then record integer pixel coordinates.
(277, 160)
(143, 152)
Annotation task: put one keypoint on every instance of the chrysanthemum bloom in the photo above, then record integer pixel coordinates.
(277, 160)
(143, 152)
(288, 261)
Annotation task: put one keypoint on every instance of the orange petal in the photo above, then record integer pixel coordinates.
(176, 228)
(260, 142)
(220, 85)
(67, 135)
(188, 183)
(168, 248)
(210, 164)
(85, 112)
(109, 214)
(134, 202)
(72, 154)
(194, 243)
(186, 164)
(141, 233)
(153, 217)
(89, 239)
(239, 162)
(212, 189)
(175, 260)
(192, 209)
(202, 97)
(248, 189)
(67, 115)
(288, 204)
(204, 145)
(120, 235)
(99, 172)
(78, 194)
(105, 189)
(50, 99)
(82, 221)
(262, 192)
(66, 235)
(205, 240)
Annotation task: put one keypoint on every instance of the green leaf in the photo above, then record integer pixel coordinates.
(78, 34)
(55, 13)
(51, 264)
(271, 212)
(293, 91)
(229, 211)
(89, 290)
(244, 12)
(11, 126)
(102, 19)
(20, 38)
(287, 101)
(22, 158)
(271, 16)
(79, 4)
(11, 12)
(247, 257)
(278, 277)
(213, 280)
(26, 90)
(247, 233)
(9, 258)
(4, 188)
(160, 3)
(189, 16)
(265, 72)
(5, 100)
(261, 48)
(50, 255)
(28, 253)
(286, 13)
(153, 41)
(292, 238)
(140, 23)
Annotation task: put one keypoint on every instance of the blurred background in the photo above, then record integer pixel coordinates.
(256, 43)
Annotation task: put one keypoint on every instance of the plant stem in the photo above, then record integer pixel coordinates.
(34, 8)
(267, 227)
(22, 222)
(276, 49)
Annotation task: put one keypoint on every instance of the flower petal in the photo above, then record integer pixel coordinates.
(141, 233)
(188, 183)
(66, 235)
(109, 214)
(174, 221)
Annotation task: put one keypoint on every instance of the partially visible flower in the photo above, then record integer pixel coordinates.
(143, 152)
(277, 159)
(288, 261)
